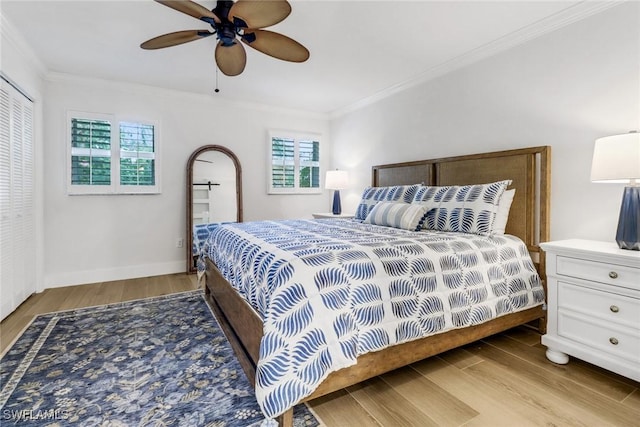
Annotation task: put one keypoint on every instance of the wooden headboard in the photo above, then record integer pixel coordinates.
(528, 168)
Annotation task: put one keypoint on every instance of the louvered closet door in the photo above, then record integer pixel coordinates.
(17, 208)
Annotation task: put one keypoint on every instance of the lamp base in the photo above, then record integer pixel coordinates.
(628, 234)
(337, 208)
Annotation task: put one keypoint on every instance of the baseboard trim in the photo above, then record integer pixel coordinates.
(83, 277)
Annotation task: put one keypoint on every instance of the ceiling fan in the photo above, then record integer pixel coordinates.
(243, 20)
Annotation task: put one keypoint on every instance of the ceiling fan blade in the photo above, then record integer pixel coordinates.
(276, 45)
(259, 13)
(231, 59)
(173, 39)
(191, 8)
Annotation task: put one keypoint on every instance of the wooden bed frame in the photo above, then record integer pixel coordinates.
(528, 168)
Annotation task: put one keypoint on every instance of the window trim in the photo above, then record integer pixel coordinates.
(296, 136)
(115, 187)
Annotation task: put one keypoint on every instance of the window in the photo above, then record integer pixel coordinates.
(294, 166)
(108, 156)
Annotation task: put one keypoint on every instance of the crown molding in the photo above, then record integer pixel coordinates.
(138, 88)
(11, 35)
(532, 31)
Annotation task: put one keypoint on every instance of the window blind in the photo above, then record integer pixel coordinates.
(283, 163)
(137, 154)
(309, 164)
(90, 152)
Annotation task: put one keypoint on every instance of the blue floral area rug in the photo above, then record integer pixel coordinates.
(160, 361)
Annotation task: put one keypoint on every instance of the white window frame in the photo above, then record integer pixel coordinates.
(115, 187)
(297, 137)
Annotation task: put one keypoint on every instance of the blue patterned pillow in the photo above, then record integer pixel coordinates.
(461, 208)
(372, 195)
(402, 215)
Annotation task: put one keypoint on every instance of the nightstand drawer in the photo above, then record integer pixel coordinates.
(620, 342)
(607, 306)
(617, 275)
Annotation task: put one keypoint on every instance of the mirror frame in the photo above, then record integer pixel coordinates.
(190, 163)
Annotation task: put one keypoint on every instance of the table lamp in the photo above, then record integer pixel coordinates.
(336, 180)
(616, 159)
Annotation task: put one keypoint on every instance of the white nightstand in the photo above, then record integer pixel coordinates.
(593, 300)
(331, 215)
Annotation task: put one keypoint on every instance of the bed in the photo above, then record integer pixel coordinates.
(527, 169)
(199, 236)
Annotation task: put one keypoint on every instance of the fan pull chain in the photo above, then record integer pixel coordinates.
(216, 90)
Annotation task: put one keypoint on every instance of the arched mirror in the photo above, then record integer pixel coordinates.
(214, 195)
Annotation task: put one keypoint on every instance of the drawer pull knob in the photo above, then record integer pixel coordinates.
(613, 341)
(613, 274)
(614, 308)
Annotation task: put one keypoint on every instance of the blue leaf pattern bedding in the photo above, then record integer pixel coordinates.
(201, 234)
(330, 290)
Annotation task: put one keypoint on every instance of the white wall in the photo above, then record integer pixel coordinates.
(564, 89)
(100, 238)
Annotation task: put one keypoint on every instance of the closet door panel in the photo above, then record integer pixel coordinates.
(28, 200)
(6, 265)
(17, 197)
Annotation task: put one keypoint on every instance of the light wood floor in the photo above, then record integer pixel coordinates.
(504, 380)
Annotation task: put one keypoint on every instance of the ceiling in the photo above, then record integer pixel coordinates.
(359, 49)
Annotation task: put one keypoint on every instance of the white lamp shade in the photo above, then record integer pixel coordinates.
(336, 180)
(616, 159)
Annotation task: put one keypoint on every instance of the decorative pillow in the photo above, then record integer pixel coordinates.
(373, 195)
(500, 223)
(461, 208)
(397, 214)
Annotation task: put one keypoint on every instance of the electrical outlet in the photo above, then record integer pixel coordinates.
(180, 243)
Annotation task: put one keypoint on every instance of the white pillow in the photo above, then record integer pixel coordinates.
(406, 216)
(502, 215)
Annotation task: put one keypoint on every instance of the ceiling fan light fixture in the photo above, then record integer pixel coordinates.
(227, 35)
(249, 37)
(239, 23)
(209, 21)
(229, 19)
